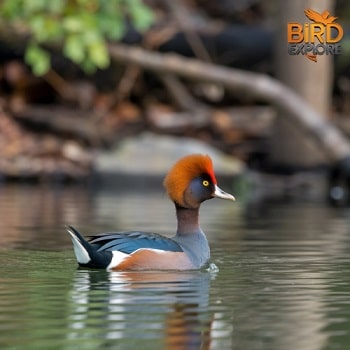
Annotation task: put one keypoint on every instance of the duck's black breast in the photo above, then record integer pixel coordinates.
(128, 242)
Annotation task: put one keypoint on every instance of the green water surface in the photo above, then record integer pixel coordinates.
(283, 279)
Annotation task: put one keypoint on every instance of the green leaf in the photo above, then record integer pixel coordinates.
(72, 23)
(38, 59)
(34, 6)
(91, 36)
(11, 8)
(142, 16)
(112, 26)
(74, 48)
(56, 6)
(83, 26)
(98, 54)
(37, 25)
(53, 28)
(88, 66)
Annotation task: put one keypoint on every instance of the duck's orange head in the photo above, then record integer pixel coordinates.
(191, 181)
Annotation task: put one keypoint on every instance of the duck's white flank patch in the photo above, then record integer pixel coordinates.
(80, 252)
(117, 258)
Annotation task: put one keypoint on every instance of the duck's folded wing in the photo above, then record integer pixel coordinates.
(128, 242)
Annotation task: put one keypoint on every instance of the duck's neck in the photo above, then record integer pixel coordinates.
(187, 220)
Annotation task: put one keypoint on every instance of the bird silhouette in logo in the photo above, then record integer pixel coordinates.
(323, 17)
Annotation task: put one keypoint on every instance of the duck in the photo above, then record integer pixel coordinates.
(189, 182)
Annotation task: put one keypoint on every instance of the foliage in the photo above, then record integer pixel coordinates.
(82, 27)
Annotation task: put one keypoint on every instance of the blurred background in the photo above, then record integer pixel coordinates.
(98, 98)
(78, 79)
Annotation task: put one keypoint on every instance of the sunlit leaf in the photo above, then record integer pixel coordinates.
(72, 24)
(38, 59)
(98, 54)
(91, 36)
(53, 28)
(33, 6)
(142, 16)
(56, 6)
(74, 48)
(45, 29)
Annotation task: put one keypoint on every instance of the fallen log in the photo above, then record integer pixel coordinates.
(61, 120)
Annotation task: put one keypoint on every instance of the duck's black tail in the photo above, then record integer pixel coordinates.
(86, 253)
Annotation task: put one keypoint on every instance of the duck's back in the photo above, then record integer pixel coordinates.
(129, 242)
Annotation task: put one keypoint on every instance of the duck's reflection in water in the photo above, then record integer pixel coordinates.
(169, 309)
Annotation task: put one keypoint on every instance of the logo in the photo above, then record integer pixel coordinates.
(319, 37)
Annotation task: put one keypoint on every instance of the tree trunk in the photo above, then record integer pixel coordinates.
(311, 80)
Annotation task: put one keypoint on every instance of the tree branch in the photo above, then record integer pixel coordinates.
(184, 21)
(259, 86)
(179, 93)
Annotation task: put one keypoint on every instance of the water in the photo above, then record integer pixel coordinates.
(283, 279)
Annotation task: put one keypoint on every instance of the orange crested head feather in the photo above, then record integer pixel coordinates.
(184, 171)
